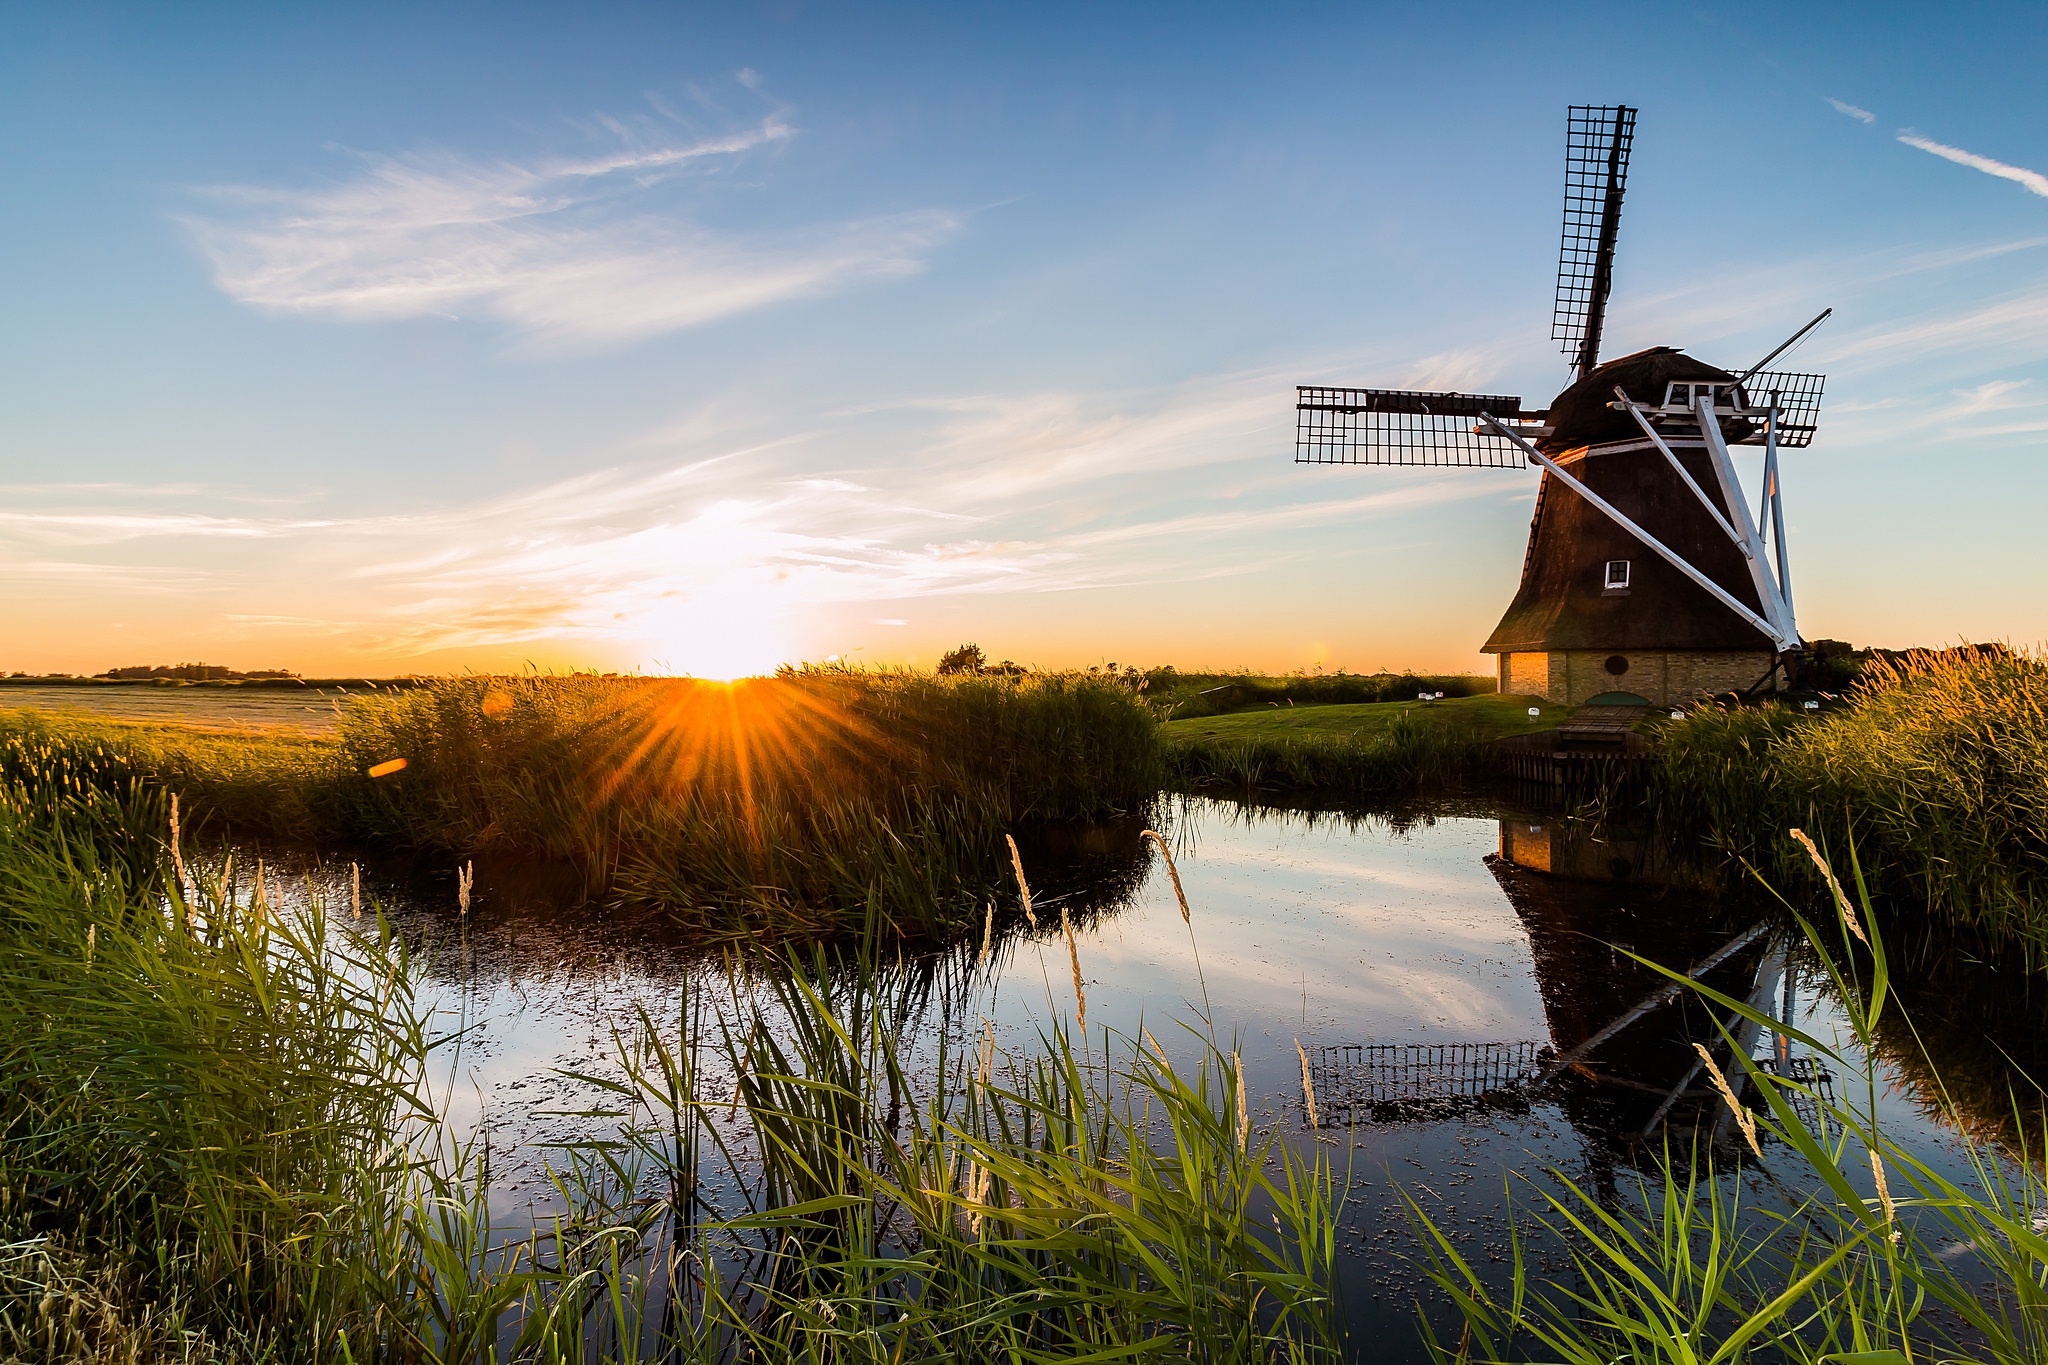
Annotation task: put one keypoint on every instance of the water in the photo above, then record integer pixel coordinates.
(1422, 965)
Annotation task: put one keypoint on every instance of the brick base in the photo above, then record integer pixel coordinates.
(1663, 677)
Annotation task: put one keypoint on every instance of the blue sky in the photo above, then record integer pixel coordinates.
(380, 337)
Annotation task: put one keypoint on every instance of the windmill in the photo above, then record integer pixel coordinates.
(1645, 573)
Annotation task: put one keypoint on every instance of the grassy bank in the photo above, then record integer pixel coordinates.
(797, 804)
(1362, 752)
(1174, 695)
(1937, 767)
(217, 1147)
(209, 1115)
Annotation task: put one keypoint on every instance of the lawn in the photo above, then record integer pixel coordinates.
(1489, 717)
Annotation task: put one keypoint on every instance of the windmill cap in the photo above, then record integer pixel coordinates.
(1580, 416)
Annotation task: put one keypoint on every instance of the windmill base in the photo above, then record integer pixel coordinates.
(1659, 676)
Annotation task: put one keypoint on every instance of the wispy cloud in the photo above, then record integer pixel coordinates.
(2033, 181)
(2012, 327)
(569, 252)
(1051, 493)
(104, 528)
(1843, 107)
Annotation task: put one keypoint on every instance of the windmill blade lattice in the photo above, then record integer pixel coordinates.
(1798, 406)
(1402, 427)
(1597, 143)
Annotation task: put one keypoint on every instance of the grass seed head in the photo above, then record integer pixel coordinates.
(1842, 902)
(1884, 1194)
(1173, 872)
(1074, 957)
(1244, 1118)
(1743, 1119)
(1023, 887)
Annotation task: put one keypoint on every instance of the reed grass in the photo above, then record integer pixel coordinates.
(1870, 1253)
(1029, 1208)
(769, 806)
(210, 1114)
(1937, 767)
(220, 1146)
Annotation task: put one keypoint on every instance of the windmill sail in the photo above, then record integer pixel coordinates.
(1402, 427)
(1597, 143)
(1798, 400)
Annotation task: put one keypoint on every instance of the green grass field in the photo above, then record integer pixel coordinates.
(1490, 716)
(1361, 751)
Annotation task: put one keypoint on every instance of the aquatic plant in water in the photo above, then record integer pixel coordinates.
(1876, 1256)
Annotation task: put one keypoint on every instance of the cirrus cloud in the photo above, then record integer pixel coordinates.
(570, 253)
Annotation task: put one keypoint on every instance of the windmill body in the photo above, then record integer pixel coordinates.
(1645, 573)
(1595, 611)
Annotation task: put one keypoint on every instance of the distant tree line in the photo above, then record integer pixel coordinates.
(190, 673)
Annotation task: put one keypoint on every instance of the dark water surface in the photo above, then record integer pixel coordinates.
(1426, 966)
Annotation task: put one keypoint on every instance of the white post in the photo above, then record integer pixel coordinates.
(1731, 490)
(1656, 546)
(1777, 509)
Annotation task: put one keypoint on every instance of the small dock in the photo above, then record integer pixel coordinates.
(1596, 750)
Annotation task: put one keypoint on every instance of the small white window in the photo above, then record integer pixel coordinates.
(1617, 573)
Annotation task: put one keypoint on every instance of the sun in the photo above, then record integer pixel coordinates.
(721, 645)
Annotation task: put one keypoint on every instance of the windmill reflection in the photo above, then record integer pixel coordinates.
(1621, 1060)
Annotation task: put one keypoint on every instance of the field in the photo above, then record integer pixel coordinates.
(1488, 716)
(313, 710)
(1372, 751)
(1174, 695)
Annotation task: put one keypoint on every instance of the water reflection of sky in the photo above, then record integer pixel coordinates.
(1329, 931)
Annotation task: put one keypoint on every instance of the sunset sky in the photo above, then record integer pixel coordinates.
(363, 338)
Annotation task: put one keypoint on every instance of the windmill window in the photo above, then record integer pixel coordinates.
(1680, 395)
(1617, 574)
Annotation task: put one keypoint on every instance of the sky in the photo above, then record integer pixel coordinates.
(698, 338)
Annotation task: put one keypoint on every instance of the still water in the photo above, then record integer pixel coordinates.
(1426, 966)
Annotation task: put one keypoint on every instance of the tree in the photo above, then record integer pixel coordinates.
(966, 659)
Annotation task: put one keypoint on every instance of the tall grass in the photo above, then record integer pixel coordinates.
(1043, 1205)
(210, 1113)
(765, 806)
(1869, 1254)
(1938, 768)
(219, 1146)
(795, 804)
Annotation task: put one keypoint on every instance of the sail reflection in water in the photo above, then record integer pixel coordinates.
(1406, 1082)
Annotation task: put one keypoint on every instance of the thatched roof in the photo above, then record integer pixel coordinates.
(1563, 603)
(1580, 416)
